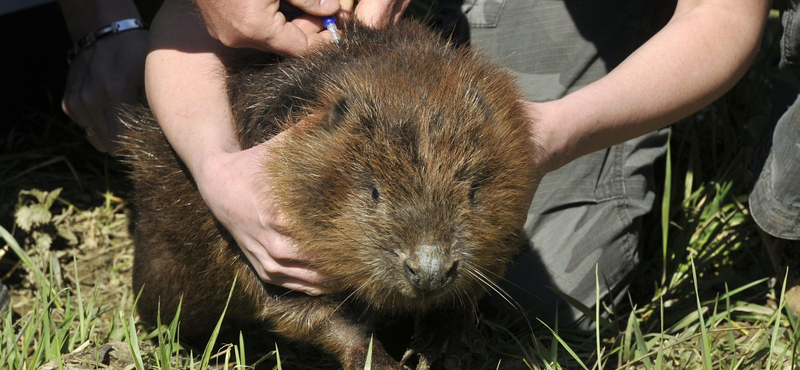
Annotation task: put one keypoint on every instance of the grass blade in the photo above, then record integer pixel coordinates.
(565, 346)
(666, 201)
(213, 339)
(706, 346)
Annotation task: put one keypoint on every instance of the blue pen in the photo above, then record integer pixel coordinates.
(329, 22)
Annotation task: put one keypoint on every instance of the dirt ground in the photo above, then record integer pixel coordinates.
(88, 250)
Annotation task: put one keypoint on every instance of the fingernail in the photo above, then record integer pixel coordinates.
(329, 6)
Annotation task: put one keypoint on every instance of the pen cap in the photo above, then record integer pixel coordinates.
(328, 20)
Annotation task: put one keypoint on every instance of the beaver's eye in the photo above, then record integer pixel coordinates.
(376, 195)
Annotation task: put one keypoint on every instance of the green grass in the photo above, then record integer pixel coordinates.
(701, 300)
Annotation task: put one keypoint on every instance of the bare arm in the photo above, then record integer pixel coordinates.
(700, 54)
(186, 91)
(192, 111)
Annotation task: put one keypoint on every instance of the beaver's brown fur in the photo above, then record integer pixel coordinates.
(406, 184)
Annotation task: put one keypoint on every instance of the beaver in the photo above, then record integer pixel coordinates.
(406, 183)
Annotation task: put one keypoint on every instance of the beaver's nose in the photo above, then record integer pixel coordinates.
(430, 268)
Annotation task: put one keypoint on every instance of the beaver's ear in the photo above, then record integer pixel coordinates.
(336, 115)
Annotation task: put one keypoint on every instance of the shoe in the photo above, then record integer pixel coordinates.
(785, 257)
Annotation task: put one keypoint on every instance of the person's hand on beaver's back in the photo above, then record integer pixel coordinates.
(186, 92)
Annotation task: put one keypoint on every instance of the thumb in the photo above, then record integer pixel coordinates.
(317, 7)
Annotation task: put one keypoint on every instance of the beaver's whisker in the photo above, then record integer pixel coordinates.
(494, 287)
(508, 298)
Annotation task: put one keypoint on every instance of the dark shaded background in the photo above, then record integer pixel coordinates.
(39, 145)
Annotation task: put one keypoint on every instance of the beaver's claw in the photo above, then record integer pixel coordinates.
(451, 339)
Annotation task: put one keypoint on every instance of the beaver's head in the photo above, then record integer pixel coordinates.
(408, 178)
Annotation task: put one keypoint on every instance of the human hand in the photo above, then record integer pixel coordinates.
(542, 157)
(549, 136)
(105, 74)
(100, 79)
(380, 13)
(259, 24)
(236, 190)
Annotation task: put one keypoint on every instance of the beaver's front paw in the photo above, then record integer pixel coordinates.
(450, 337)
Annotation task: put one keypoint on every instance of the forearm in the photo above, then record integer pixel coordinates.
(701, 53)
(84, 16)
(186, 87)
